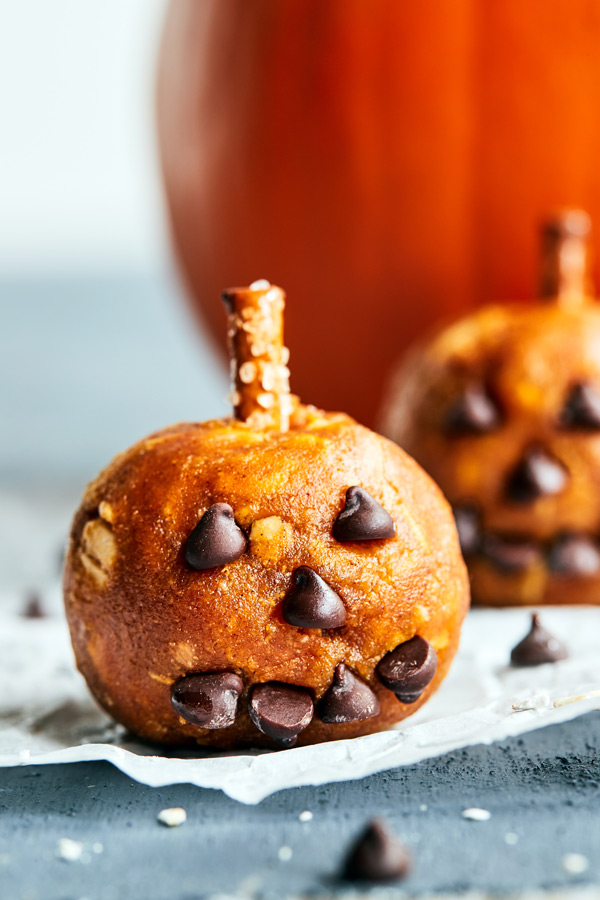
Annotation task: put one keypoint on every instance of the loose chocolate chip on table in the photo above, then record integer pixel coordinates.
(377, 855)
(281, 711)
(363, 518)
(536, 475)
(207, 700)
(474, 412)
(312, 603)
(33, 607)
(216, 540)
(348, 699)
(408, 669)
(574, 555)
(582, 409)
(510, 555)
(469, 528)
(537, 647)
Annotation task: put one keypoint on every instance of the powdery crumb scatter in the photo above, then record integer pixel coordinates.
(575, 863)
(537, 702)
(305, 816)
(285, 854)
(474, 814)
(564, 701)
(69, 850)
(172, 817)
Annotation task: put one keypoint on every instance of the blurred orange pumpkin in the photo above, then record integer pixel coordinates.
(386, 161)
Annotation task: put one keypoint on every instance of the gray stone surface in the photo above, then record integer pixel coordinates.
(544, 788)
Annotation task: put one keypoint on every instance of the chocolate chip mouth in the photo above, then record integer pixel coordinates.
(568, 554)
(282, 711)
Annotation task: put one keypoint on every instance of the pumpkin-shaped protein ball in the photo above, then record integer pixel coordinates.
(503, 410)
(282, 576)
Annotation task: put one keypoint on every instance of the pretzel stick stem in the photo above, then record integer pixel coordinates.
(260, 376)
(565, 266)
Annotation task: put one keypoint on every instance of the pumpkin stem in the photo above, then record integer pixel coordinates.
(565, 267)
(260, 376)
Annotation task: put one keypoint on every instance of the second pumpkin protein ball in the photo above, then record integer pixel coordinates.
(283, 576)
(502, 408)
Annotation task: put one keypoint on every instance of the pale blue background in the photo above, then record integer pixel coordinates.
(88, 365)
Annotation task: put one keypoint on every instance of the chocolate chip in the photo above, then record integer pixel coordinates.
(33, 608)
(281, 711)
(574, 555)
(377, 855)
(582, 409)
(408, 669)
(216, 540)
(474, 412)
(348, 699)
(537, 647)
(362, 519)
(510, 555)
(469, 528)
(207, 700)
(312, 603)
(537, 475)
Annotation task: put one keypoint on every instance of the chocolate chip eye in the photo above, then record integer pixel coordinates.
(468, 526)
(216, 540)
(473, 412)
(363, 518)
(582, 408)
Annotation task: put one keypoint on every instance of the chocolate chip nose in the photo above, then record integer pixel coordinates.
(538, 474)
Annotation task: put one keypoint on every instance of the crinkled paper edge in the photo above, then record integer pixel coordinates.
(336, 761)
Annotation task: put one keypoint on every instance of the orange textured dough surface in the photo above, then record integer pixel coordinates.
(140, 618)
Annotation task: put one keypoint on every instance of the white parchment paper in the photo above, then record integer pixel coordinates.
(47, 715)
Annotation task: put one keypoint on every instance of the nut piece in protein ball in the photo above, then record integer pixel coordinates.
(278, 578)
(503, 410)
